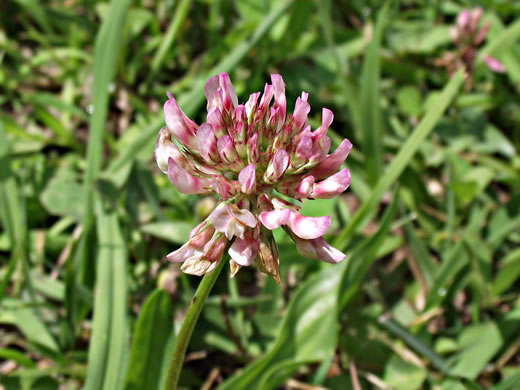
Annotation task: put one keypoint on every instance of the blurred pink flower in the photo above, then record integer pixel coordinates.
(251, 155)
(467, 36)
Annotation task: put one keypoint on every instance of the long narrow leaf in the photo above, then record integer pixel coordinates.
(371, 116)
(108, 346)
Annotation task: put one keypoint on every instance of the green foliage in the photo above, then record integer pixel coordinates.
(428, 296)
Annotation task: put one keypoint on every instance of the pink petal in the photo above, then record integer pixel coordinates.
(304, 187)
(201, 237)
(239, 113)
(253, 152)
(266, 98)
(221, 217)
(303, 150)
(225, 188)
(308, 227)
(280, 204)
(207, 142)
(220, 93)
(277, 166)
(494, 64)
(226, 149)
(245, 217)
(482, 33)
(333, 161)
(229, 96)
(279, 95)
(164, 149)
(301, 110)
(275, 218)
(232, 222)
(251, 104)
(318, 249)
(184, 182)
(454, 34)
(179, 124)
(214, 249)
(247, 179)
(184, 252)
(463, 19)
(327, 117)
(244, 251)
(333, 186)
(320, 149)
(476, 14)
(214, 118)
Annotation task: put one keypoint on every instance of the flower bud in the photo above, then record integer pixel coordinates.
(181, 127)
(247, 179)
(207, 143)
(277, 166)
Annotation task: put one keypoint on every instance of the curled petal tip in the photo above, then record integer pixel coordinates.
(332, 162)
(275, 218)
(308, 227)
(319, 249)
(333, 186)
(182, 127)
(183, 181)
(494, 64)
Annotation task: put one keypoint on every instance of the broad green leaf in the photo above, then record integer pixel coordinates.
(29, 322)
(477, 345)
(308, 333)
(508, 273)
(149, 347)
(64, 196)
(403, 375)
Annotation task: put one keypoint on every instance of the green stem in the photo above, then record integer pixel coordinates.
(192, 315)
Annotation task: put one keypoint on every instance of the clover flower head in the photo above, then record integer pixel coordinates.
(468, 37)
(262, 163)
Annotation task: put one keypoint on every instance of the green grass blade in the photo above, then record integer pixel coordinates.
(349, 90)
(108, 346)
(371, 116)
(106, 50)
(363, 257)
(166, 43)
(502, 41)
(11, 212)
(402, 158)
(13, 219)
(105, 60)
(414, 342)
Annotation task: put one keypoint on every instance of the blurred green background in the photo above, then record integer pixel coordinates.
(428, 296)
